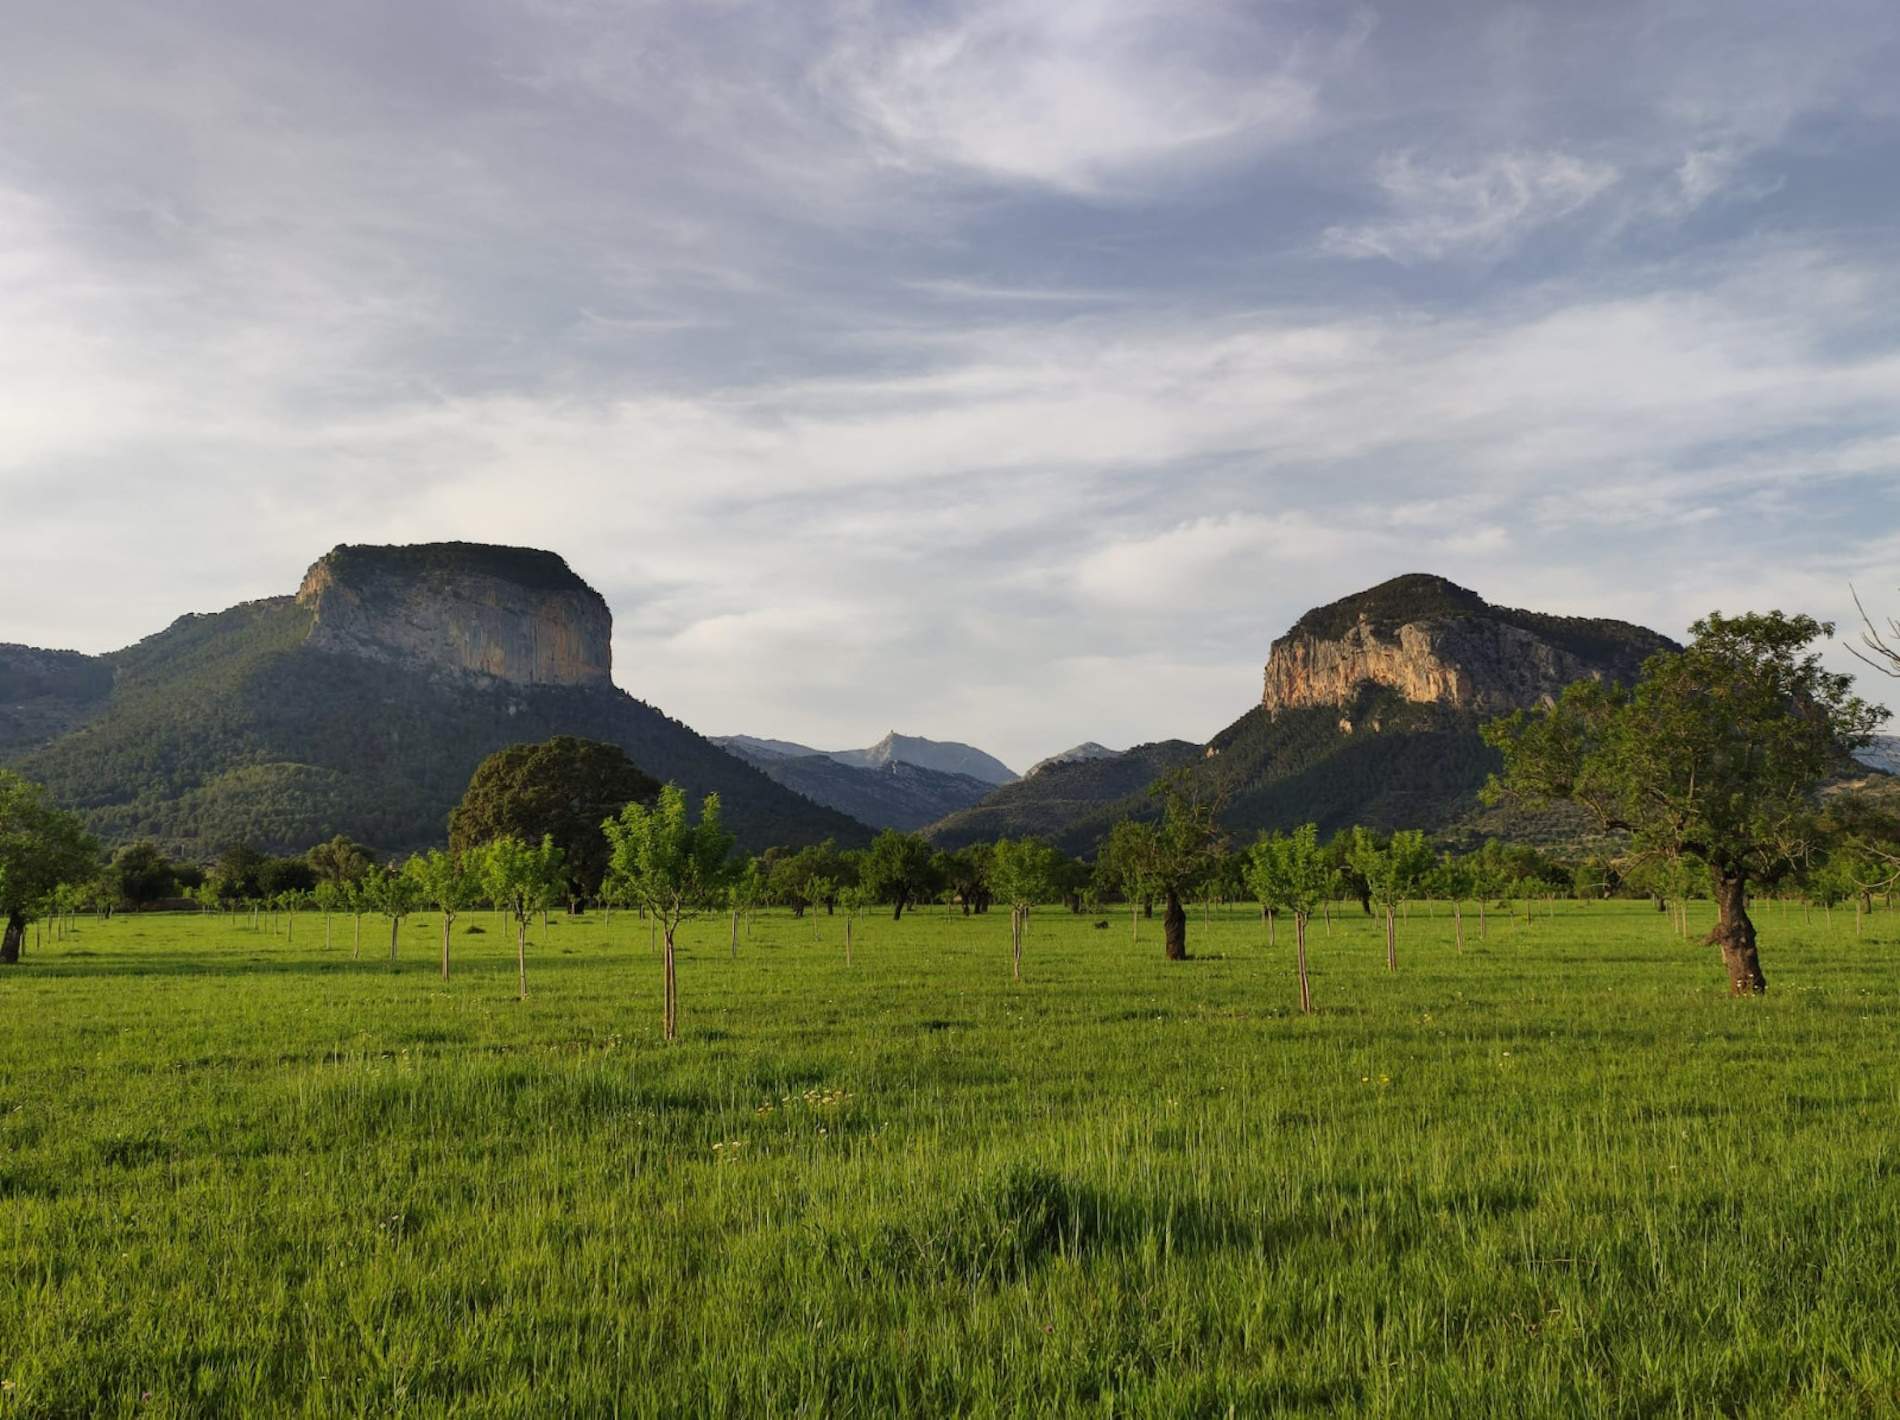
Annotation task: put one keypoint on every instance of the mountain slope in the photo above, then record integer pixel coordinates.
(1370, 714)
(894, 795)
(281, 722)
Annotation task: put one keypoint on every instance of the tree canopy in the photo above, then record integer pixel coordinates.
(41, 847)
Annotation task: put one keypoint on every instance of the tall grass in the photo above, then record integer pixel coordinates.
(1557, 1173)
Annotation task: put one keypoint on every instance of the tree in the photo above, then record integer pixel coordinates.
(517, 878)
(1180, 851)
(340, 860)
(896, 869)
(451, 881)
(744, 893)
(1391, 875)
(561, 789)
(140, 875)
(1717, 751)
(1452, 880)
(966, 873)
(1122, 866)
(395, 895)
(1022, 873)
(851, 902)
(40, 847)
(1292, 871)
(674, 867)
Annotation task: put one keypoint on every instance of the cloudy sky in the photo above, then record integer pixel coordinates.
(1009, 370)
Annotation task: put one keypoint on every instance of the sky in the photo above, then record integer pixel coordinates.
(1010, 371)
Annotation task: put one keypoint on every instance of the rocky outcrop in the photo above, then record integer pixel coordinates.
(1438, 643)
(515, 615)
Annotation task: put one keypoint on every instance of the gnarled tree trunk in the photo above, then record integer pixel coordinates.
(14, 939)
(1735, 934)
(1174, 928)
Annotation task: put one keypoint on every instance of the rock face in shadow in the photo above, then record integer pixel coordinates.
(514, 615)
(1436, 643)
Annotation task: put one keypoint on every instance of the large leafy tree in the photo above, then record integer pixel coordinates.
(561, 789)
(896, 868)
(141, 875)
(674, 868)
(1715, 753)
(40, 848)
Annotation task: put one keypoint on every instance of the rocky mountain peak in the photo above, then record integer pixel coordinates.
(1436, 642)
(512, 614)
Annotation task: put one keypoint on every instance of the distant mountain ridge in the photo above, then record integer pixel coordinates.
(1882, 754)
(361, 705)
(1084, 751)
(943, 756)
(902, 781)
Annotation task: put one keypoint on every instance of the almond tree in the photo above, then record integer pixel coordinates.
(1022, 873)
(1717, 752)
(1292, 871)
(673, 867)
(518, 878)
(1392, 874)
(395, 895)
(449, 880)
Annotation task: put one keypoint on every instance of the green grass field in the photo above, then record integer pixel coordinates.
(1560, 1173)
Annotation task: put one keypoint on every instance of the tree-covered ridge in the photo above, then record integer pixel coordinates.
(227, 728)
(531, 567)
(1620, 647)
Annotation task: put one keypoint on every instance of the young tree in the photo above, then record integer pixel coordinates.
(675, 867)
(330, 897)
(744, 894)
(449, 880)
(1392, 874)
(852, 901)
(1452, 880)
(518, 878)
(1717, 752)
(896, 869)
(395, 895)
(40, 847)
(1022, 873)
(1122, 866)
(1292, 871)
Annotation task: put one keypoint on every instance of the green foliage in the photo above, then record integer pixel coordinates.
(449, 882)
(139, 875)
(667, 863)
(562, 789)
(40, 849)
(1394, 871)
(520, 878)
(896, 869)
(1717, 751)
(1024, 871)
(1291, 872)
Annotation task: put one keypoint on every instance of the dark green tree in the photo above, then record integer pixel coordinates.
(1717, 753)
(896, 868)
(40, 848)
(140, 875)
(562, 788)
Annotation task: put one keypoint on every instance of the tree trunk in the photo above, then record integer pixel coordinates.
(1272, 929)
(1016, 943)
(1306, 989)
(521, 954)
(1174, 928)
(670, 1004)
(1134, 920)
(1148, 908)
(735, 936)
(1734, 933)
(897, 909)
(847, 939)
(1481, 928)
(13, 940)
(394, 923)
(1458, 922)
(448, 921)
(1391, 940)
(358, 921)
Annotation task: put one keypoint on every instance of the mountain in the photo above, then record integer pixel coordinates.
(899, 782)
(1883, 754)
(894, 795)
(361, 705)
(1087, 750)
(1370, 713)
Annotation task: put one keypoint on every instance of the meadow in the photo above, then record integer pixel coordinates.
(1557, 1173)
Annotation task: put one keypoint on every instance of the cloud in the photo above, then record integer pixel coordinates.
(1480, 210)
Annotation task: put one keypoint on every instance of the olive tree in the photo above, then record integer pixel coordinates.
(1716, 752)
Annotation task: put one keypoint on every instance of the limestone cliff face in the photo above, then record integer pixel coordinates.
(508, 614)
(1435, 642)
